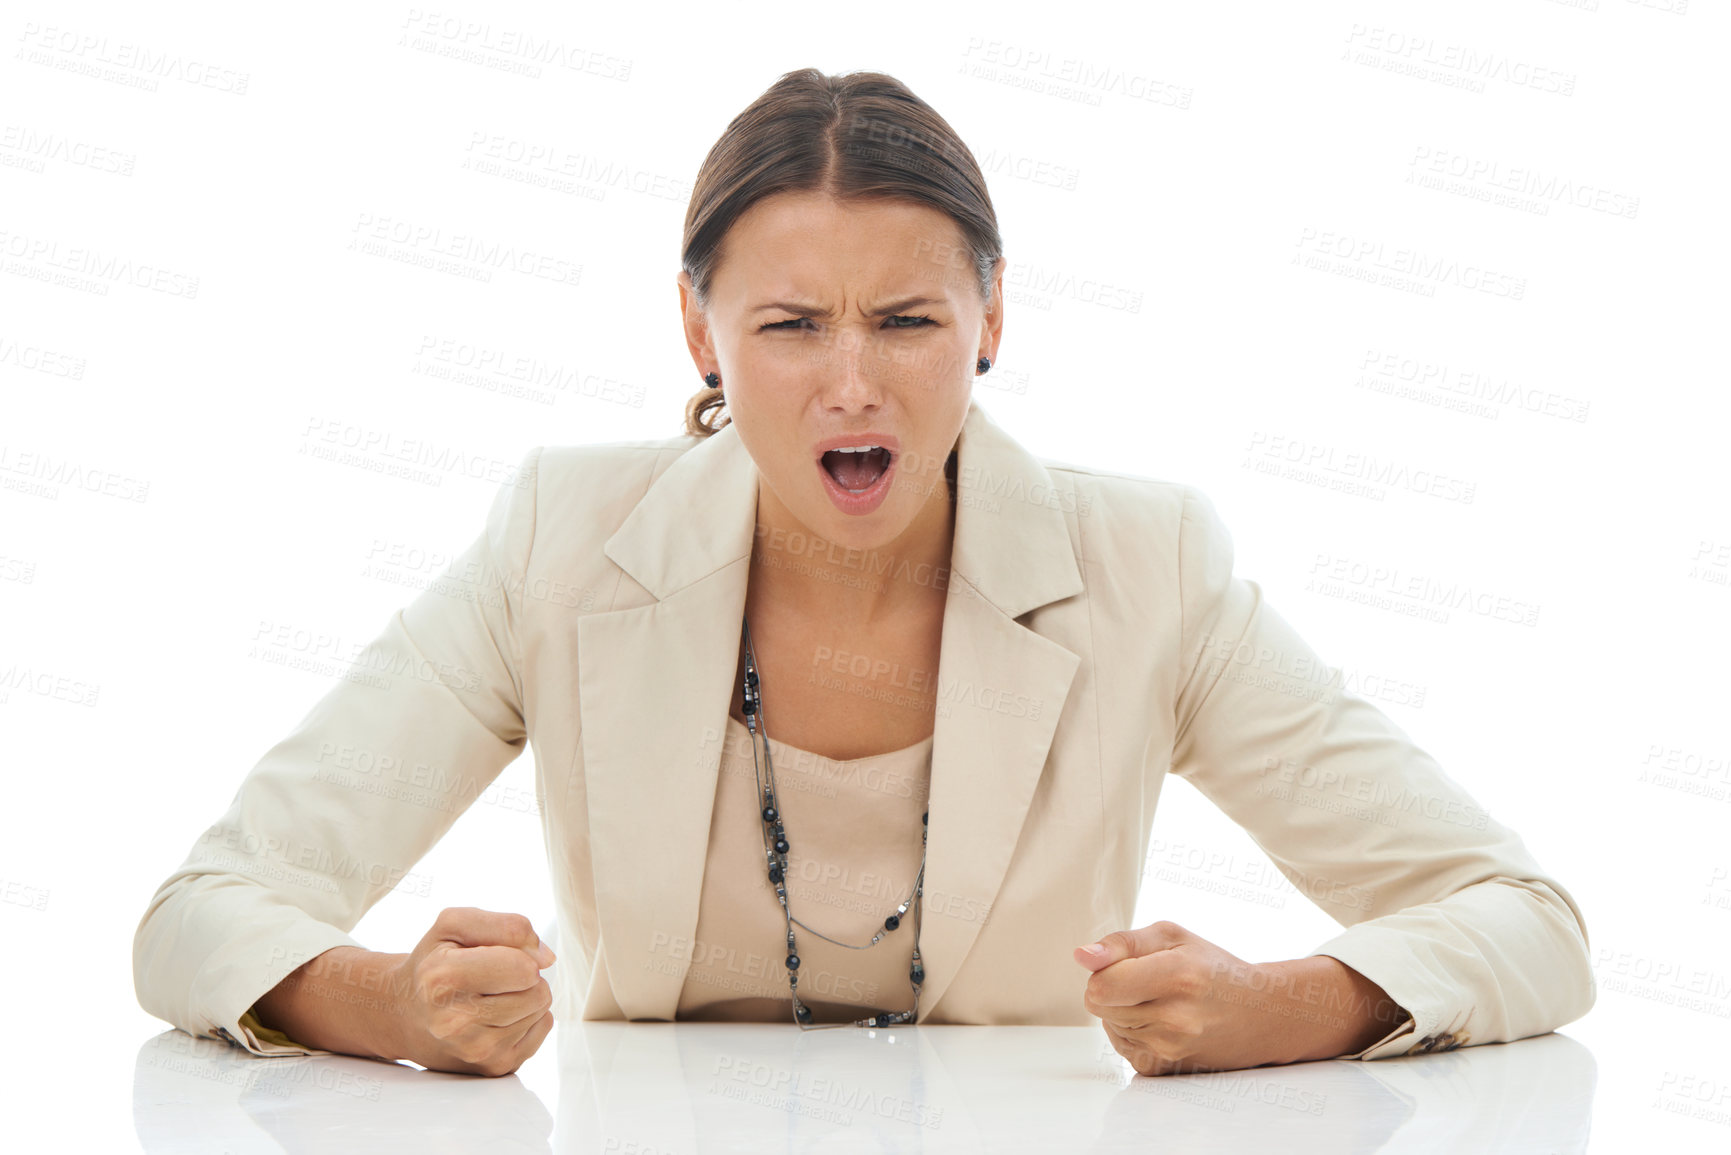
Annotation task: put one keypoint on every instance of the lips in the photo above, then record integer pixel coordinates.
(866, 500)
(859, 481)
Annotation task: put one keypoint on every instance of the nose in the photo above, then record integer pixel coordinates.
(852, 384)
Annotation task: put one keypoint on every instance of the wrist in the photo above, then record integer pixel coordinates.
(375, 982)
(347, 1000)
(1334, 1009)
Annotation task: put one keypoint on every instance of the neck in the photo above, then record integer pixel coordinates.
(826, 581)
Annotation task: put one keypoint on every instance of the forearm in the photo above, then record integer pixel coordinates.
(342, 1001)
(1320, 1008)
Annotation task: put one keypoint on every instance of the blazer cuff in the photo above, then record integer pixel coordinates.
(232, 1016)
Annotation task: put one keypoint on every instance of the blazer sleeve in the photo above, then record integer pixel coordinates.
(1443, 906)
(335, 815)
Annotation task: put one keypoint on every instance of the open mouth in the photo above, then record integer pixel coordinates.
(857, 471)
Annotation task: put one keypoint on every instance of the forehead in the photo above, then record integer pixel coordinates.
(812, 243)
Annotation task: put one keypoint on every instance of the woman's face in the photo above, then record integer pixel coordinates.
(854, 324)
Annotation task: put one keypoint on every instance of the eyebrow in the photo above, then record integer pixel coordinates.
(888, 310)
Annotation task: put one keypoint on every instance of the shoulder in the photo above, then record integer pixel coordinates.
(1153, 549)
(565, 463)
(571, 498)
(1115, 510)
(600, 483)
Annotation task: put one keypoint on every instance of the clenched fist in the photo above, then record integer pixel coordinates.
(1172, 1002)
(472, 997)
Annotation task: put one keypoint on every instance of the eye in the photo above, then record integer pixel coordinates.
(919, 320)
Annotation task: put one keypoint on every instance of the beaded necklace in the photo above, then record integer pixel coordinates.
(775, 847)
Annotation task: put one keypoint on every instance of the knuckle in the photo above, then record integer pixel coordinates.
(435, 987)
(1159, 1057)
(1191, 982)
(1117, 938)
(443, 1026)
(1184, 1026)
(474, 1050)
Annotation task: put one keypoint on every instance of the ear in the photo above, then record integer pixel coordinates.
(696, 324)
(994, 321)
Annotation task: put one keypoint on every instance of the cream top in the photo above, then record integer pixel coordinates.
(854, 841)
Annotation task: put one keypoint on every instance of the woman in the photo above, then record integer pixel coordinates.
(847, 709)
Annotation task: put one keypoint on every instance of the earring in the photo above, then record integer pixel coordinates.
(713, 380)
(983, 364)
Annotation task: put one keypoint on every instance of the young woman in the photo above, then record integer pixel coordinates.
(848, 709)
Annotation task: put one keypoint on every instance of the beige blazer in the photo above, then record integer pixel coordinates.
(1095, 639)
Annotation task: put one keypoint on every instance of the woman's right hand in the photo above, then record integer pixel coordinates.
(471, 996)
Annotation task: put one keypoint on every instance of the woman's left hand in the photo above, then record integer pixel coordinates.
(1173, 1002)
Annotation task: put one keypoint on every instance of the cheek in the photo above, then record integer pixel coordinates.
(780, 360)
(773, 440)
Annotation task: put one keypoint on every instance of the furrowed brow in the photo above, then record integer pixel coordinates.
(800, 309)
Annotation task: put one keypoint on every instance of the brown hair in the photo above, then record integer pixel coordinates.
(855, 136)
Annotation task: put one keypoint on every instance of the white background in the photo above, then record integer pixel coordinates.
(1565, 160)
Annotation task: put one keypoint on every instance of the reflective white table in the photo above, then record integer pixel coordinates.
(666, 1088)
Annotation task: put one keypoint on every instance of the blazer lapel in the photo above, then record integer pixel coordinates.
(656, 680)
(654, 686)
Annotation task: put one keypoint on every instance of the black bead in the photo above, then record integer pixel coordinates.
(750, 707)
(892, 922)
(792, 962)
(923, 818)
(918, 974)
(802, 1013)
(775, 874)
(769, 814)
(781, 846)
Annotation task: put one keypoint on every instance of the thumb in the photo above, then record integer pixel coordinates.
(1122, 944)
(468, 926)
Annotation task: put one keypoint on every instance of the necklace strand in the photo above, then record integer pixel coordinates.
(775, 846)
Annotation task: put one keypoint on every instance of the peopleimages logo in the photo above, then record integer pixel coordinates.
(1388, 587)
(1307, 460)
(1422, 56)
(1371, 258)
